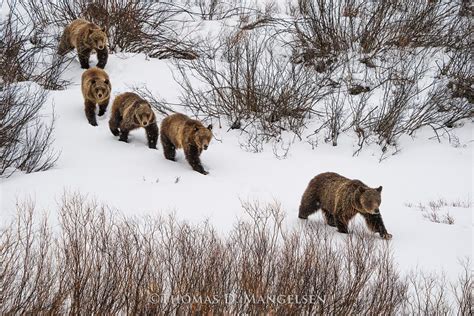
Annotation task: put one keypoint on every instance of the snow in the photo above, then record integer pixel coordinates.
(137, 180)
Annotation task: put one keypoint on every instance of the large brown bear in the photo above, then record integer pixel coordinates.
(85, 37)
(340, 200)
(180, 131)
(130, 111)
(96, 89)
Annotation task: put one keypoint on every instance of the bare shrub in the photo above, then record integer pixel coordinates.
(252, 87)
(434, 216)
(396, 42)
(97, 261)
(159, 104)
(398, 93)
(32, 280)
(335, 117)
(463, 291)
(405, 103)
(131, 26)
(220, 10)
(320, 28)
(431, 24)
(465, 203)
(25, 139)
(458, 70)
(27, 54)
(209, 9)
(361, 116)
(439, 211)
(429, 295)
(374, 30)
(324, 28)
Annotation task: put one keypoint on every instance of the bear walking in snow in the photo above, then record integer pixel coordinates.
(180, 131)
(85, 37)
(96, 88)
(129, 112)
(341, 199)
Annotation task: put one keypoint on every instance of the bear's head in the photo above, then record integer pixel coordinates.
(97, 38)
(202, 136)
(144, 114)
(100, 89)
(370, 200)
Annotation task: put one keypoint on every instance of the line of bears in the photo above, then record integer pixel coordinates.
(130, 111)
(339, 198)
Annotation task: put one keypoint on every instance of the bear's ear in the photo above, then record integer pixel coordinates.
(102, 29)
(379, 189)
(90, 31)
(196, 128)
(209, 127)
(93, 81)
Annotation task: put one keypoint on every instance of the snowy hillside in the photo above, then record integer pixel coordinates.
(138, 180)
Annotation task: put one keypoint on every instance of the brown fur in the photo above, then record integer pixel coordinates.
(96, 89)
(85, 37)
(180, 131)
(341, 199)
(129, 112)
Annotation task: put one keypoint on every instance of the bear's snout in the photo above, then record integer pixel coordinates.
(205, 147)
(101, 47)
(376, 211)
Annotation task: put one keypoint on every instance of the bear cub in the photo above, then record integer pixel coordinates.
(96, 88)
(85, 37)
(340, 199)
(129, 112)
(180, 131)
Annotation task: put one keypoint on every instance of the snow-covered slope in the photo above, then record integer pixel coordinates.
(137, 180)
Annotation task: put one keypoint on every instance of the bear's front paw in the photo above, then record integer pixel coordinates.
(123, 140)
(85, 66)
(93, 123)
(386, 236)
(204, 172)
(152, 146)
(101, 113)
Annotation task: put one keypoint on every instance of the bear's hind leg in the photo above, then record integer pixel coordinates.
(90, 112)
(114, 123)
(168, 148)
(64, 44)
(152, 135)
(309, 205)
(375, 224)
(341, 224)
(329, 218)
